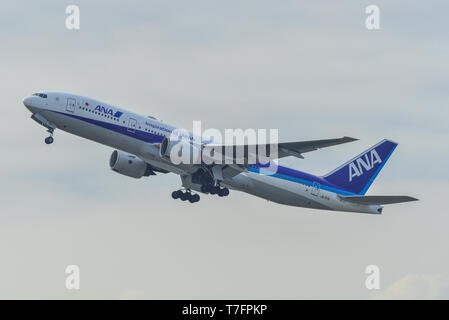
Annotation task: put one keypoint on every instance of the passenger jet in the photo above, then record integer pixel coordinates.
(143, 143)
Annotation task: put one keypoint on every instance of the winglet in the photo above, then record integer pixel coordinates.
(349, 139)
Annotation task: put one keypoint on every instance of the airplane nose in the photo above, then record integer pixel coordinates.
(27, 102)
(30, 103)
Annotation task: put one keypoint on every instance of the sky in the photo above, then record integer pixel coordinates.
(310, 69)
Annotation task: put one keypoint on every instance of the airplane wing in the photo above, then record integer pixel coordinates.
(285, 149)
(296, 149)
(378, 199)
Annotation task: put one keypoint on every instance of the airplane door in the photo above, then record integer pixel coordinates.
(71, 104)
(315, 189)
(132, 124)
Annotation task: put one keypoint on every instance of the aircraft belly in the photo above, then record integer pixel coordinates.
(279, 191)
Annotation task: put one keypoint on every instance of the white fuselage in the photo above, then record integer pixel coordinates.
(141, 136)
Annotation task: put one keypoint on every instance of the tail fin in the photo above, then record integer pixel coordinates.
(358, 174)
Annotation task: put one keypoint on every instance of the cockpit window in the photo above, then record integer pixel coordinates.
(42, 95)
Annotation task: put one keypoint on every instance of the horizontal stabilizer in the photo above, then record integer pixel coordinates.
(378, 199)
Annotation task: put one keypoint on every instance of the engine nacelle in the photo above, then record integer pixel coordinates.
(180, 151)
(129, 165)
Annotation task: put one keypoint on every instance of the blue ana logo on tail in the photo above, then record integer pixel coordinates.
(360, 165)
(356, 175)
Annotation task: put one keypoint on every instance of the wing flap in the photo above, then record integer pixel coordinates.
(295, 148)
(285, 149)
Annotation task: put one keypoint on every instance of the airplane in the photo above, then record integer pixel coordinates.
(142, 144)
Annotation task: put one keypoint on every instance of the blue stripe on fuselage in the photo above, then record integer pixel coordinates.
(137, 134)
(292, 175)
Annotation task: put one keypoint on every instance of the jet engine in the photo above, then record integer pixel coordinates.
(129, 165)
(180, 150)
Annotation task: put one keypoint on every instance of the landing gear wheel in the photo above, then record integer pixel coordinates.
(184, 196)
(215, 190)
(49, 140)
(206, 188)
(223, 192)
(195, 198)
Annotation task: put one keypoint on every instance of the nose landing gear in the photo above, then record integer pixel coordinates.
(49, 140)
(47, 124)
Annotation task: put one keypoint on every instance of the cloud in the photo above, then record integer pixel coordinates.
(417, 286)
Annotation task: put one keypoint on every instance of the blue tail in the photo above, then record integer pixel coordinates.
(358, 174)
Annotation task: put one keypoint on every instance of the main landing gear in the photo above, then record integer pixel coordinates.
(209, 185)
(187, 195)
(49, 140)
(194, 197)
(221, 192)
